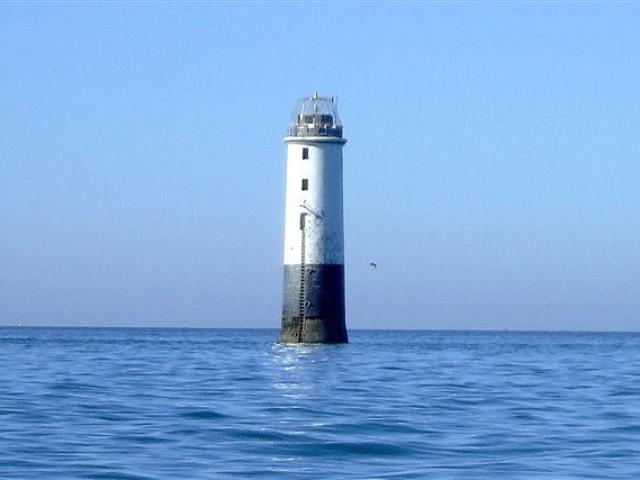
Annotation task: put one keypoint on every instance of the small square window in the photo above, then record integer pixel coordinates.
(305, 184)
(305, 153)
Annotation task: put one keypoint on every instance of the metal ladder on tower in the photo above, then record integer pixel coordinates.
(303, 287)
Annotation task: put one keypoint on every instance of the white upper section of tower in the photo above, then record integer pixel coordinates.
(315, 116)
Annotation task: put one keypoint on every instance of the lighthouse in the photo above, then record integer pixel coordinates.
(313, 291)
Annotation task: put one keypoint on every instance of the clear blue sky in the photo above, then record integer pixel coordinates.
(492, 169)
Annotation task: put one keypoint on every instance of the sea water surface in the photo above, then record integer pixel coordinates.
(202, 404)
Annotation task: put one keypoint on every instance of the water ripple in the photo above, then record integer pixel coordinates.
(198, 404)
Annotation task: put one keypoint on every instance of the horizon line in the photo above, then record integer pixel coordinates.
(486, 330)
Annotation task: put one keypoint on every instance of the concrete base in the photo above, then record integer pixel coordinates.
(324, 317)
(314, 330)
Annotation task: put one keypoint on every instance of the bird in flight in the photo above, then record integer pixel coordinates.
(373, 264)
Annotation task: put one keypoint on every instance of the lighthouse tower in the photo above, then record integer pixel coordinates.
(313, 293)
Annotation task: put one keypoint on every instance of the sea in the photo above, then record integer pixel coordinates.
(127, 403)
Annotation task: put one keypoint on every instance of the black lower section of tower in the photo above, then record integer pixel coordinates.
(313, 304)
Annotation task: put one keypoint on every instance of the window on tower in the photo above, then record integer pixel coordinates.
(305, 184)
(305, 153)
